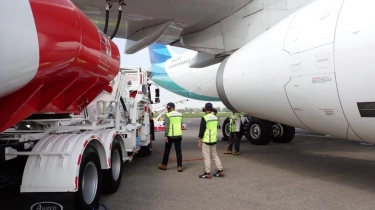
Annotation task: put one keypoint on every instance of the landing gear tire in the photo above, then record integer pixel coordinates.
(112, 177)
(145, 150)
(226, 130)
(89, 181)
(245, 128)
(259, 131)
(282, 133)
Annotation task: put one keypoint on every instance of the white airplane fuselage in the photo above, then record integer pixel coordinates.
(176, 75)
(200, 80)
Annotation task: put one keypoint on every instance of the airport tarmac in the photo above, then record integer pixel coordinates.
(312, 172)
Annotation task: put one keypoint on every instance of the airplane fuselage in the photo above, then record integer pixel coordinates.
(196, 83)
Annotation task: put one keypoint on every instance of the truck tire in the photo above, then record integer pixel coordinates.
(282, 133)
(145, 150)
(112, 177)
(225, 128)
(89, 181)
(260, 131)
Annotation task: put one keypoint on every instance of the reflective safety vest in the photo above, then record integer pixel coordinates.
(232, 121)
(210, 134)
(175, 123)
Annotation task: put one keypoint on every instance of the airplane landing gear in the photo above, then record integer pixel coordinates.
(259, 131)
(226, 130)
(282, 133)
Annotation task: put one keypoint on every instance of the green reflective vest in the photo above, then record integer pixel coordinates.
(175, 123)
(232, 121)
(210, 134)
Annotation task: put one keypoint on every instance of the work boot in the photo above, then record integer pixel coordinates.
(219, 173)
(179, 169)
(205, 176)
(162, 166)
(236, 153)
(228, 152)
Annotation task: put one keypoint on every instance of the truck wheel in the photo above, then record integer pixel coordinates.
(226, 129)
(145, 150)
(282, 133)
(90, 178)
(112, 177)
(260, 131)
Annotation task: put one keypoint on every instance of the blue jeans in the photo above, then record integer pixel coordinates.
(236, 141)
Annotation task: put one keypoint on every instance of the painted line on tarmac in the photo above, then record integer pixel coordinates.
(312, 135)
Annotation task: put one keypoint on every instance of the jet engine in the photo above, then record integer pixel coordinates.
(314, 70)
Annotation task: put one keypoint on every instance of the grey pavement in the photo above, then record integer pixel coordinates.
(311, 172)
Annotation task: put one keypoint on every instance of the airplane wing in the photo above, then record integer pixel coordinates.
(216, 27)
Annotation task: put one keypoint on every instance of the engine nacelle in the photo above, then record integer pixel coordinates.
(313, 70)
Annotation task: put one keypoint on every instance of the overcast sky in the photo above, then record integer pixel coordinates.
(142, 59)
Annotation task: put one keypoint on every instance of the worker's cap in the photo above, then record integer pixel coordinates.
(208, 106)
(170, 105)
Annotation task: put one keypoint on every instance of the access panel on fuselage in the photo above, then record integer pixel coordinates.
(314, 100)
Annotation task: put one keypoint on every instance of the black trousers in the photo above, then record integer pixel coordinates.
(236, 142)
(177, 147)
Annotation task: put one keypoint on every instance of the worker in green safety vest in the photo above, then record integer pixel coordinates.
(172, 135)
(235, 137)
(207, 139)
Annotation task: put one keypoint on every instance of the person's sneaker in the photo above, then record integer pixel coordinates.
(205, 176)
(179, 169)
(219, 173)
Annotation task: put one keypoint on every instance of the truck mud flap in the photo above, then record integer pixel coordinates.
(152, 130)
(50, 201)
